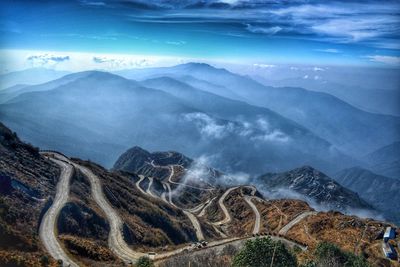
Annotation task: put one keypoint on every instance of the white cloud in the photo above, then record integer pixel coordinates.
(46, 60)
(264, 66)
(343, 22)
(265, 30)
(318, 69)
(14, 60)
(237, 178)
(268, 133)
(305, 76)
(121, 63)
(390, 60)
(274, 136)
(357, 29)
(175, 42)
(199, 170)
(329, 50)
(260, 130)
(208, 126)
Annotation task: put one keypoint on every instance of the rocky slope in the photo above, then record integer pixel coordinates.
(152, 220)
(138, 160)
(82, 108)
(359, 236)
(385, 160)
(312, 185)
(27, 186)
(382, 191)
(352, 130)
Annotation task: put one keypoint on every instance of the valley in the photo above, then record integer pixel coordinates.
(199, 133)
(218, 230)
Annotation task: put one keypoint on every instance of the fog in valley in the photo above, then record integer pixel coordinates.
(244, 124)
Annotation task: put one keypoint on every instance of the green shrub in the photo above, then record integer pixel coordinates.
(261, 252)
(44, 260)
(144, 262)
(328, 254)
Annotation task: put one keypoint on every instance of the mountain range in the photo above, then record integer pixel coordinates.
(327, 116)
(29, 77)
(193, 101)
(385, 160)
(98, 115)
(385, 100)
(155, 205)
(313, 186)
(381, 191)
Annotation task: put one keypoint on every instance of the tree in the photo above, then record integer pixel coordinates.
(44, 260)
(328, 254)
(264, 252)
(144, 262)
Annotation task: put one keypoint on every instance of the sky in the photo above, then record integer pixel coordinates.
(91, 34)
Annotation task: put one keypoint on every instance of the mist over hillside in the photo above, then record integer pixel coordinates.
(99, 115)
(29, 77)
(239, 123)
(223, 120)
(199, 133)
(375, 90)
(353, 131)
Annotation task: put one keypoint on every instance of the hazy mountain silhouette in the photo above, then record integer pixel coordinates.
(352, 130)
(385, 160)
(29, 76)
(98, 115)
(382, 191)
(315, 186)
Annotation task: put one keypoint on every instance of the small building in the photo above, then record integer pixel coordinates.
(388, 251)
(390, 233)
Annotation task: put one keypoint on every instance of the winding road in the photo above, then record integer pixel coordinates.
(193, 219)
(196, 224)
(295, 221)
(227, 218)
(172, 173)
(141, 178)
(148, 191)
(208, 203)
(47, 232)
(116, 241)
(256, 228)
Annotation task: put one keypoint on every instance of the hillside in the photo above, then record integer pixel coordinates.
(377, 189)
(280, 215)
(113, 218)
(314, 186)
(385, 160)
(29, 76)
(97, 115)
(27, 187)
(350, 129)
(385, 97)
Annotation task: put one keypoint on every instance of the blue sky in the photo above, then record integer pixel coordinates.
(242, 31)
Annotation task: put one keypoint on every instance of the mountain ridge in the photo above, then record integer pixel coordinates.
(151, 223)
(120, 104)
(308, 108)
(377, 189)
(316, 186)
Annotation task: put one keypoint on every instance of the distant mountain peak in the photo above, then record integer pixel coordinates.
(202, 67)
(315, 185)
(307, 168)
(98, 74)
(137, 149)
(197, 64)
